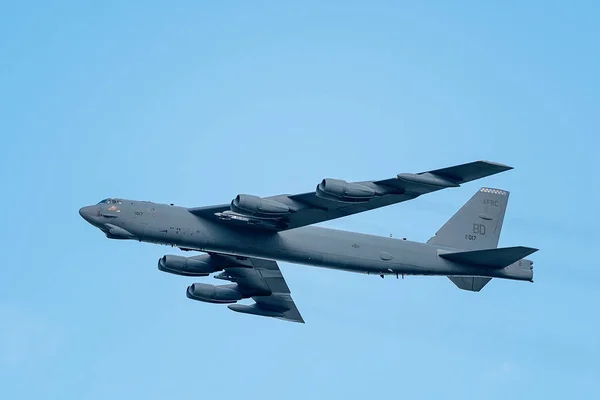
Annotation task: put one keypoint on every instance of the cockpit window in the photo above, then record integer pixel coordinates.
(110, 201)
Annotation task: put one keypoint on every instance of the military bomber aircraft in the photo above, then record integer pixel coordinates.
(243, 240)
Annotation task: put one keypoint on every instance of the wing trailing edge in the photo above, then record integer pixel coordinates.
(286, 313)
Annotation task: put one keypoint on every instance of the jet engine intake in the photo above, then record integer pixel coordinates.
(340, 190)
(259, 207)
(214, 294)
(201, 265)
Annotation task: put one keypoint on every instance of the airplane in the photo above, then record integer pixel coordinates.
(243, 240)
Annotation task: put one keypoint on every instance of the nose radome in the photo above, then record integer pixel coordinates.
(86, 212)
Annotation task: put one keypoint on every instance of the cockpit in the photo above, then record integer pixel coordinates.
(110, 201)
(106, 215)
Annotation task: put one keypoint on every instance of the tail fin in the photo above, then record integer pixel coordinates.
(477, 225)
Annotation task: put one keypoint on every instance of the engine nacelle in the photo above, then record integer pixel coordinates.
(253, 205)
(201, 265)
(213, 294)
(340, 190)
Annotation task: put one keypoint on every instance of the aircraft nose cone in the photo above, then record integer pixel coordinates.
(86, 213)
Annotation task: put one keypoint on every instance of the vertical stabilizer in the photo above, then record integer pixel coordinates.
(477, 224)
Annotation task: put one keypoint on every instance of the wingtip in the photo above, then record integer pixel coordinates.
(529, 250)
(504, 167)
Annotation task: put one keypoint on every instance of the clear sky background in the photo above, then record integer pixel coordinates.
(194, 102)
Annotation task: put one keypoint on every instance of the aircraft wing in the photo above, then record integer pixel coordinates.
(255, 275)
(335, 198)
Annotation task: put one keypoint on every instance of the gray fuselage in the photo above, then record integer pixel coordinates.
(311, 245)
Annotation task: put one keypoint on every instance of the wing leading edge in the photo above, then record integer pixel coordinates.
(335, 198)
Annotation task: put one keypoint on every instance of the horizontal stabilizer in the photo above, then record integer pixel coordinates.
(492, 258)
(470, 283)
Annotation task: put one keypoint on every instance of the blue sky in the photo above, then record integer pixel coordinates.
(195, 102)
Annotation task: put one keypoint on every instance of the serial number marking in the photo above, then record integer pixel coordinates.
(470, 237)
(138, 213)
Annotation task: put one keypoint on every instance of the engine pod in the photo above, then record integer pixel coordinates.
(201, 265)
(262, 208)
(214, 294)
(340, 190)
